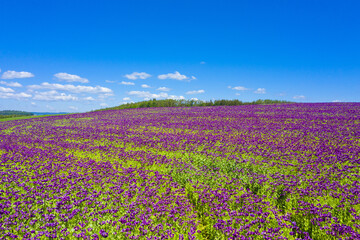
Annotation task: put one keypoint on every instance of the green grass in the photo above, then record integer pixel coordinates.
(29, 117)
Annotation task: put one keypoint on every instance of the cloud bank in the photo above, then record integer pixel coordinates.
(127, 83)
(176, 75)
(71, 88)
(148, 95)
(195, 92)
(54, 96)
(164, 89)
(13, 74)
(239, 88)
(11, 84)
(70, 78)
(260, 91)
(137, 75)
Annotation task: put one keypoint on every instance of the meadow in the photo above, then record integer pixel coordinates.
(289, 171)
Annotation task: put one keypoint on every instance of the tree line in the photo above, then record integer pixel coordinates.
(192, 103)
(13, 113)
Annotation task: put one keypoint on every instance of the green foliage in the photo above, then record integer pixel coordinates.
(11, 114)
(14, 113)
(4, 118)
(192, 103)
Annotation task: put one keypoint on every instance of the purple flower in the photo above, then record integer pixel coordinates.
(103, 233)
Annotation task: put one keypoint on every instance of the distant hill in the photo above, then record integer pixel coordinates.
(9, 114)
(48, 113)
(191, 103)
(14, 113)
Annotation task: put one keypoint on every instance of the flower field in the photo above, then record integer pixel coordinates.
(233, 172)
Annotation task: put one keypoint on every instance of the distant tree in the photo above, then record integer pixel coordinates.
(15, 113)
(192, 103)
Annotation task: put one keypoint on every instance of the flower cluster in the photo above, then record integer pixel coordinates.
(235, 172)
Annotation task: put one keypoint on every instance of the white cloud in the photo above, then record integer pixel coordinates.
(6, 90)
(148, 95)
(299, 97)
(127, 83)
(202, 62)
(175, 97)
(33, 103)
(176, 75)
(137, 75)
(143, 94)
(195, 92)
(103, 105)
(13, 74)
(126, 99)
(71, 88)
(237, 94)
(70, 78)
(145, 86)
(11, 84)
(10, 95)
(54, 96)
(73, 108)
(89, 99)
(239, 88)
(336, 100)
(193, 77)
(108, 81)
(102, 96)
(164, 89)
(260, 91)
(194, 99)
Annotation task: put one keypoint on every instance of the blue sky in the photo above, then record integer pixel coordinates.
(76, 56)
